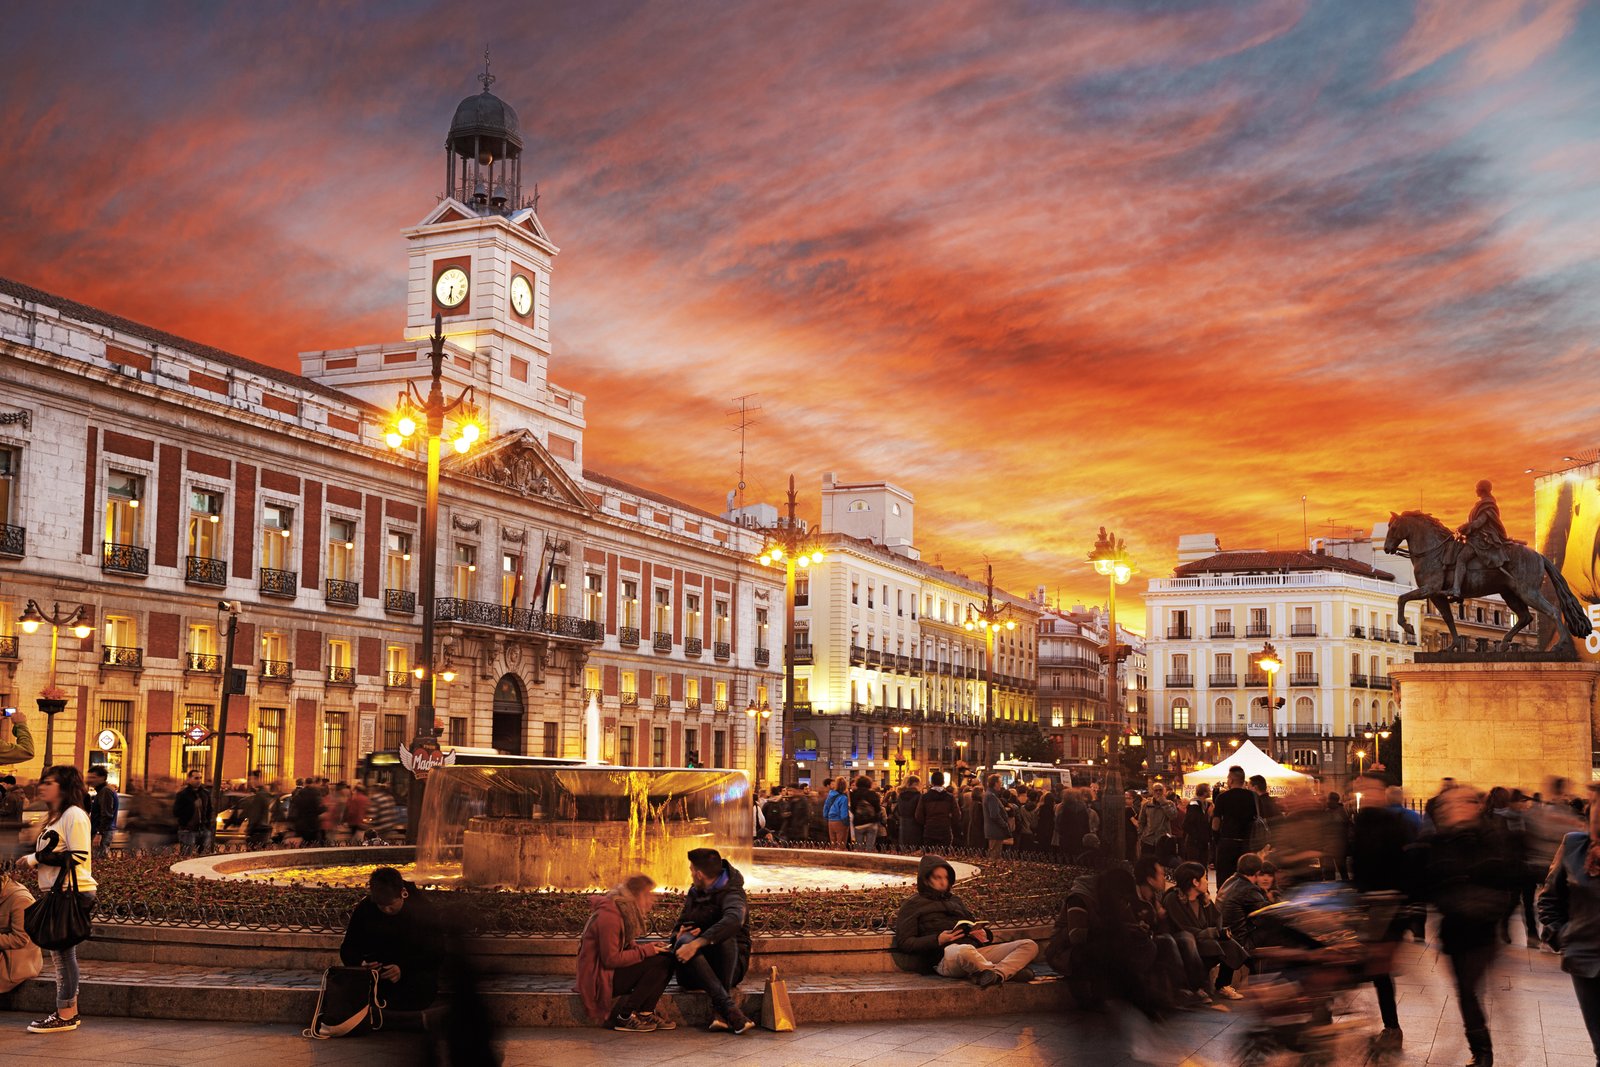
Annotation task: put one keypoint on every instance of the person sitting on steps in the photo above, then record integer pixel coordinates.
(613, 964)
(712, 937)
(926, 939)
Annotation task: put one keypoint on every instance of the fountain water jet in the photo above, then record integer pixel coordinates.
(576, 828)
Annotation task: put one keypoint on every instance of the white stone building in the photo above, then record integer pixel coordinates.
(888, 679)
(1332, 622)
(147, 478)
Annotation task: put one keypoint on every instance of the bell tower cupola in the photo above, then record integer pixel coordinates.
(483, 153)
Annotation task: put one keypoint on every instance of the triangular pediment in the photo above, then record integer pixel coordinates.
(519, 464)
(448, 210)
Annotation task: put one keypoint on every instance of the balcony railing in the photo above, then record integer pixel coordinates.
(1311, 678)
(1180, 681)
(1303, 629)
(1258, 631)
(763, 656)
(1358, 681)
(662, 642)
(630, 700)
(663, 702)
(13, 540)
(721, 650)
(279, 583)
(400, 601)
(8, 647)
(397, 679)
(1222, 631)
(719, 706)
(1380, 681)
(526, 620)
(1255, 681)
(203, 570)
(628, 637)
(1224, 681)
(1179, 633)
(124, 559)
(276, 670)
(341, 676)
(691, 704)
(204, 663)
(693, 646)
(122, 656)
(1358, 631)
(338, 591)
(592, 694)
(800, 707)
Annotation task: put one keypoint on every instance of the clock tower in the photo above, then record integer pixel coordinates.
(481, 260)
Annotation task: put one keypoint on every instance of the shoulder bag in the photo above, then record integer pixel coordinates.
(59, 919)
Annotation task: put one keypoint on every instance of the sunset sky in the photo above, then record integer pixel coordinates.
(1162, 266)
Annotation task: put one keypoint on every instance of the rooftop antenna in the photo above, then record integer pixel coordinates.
(1305, 529)
(747, 412)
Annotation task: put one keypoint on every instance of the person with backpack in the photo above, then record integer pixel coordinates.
(867, 813)
(909, 829)
(938, 813)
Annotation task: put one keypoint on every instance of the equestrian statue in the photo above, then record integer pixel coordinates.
(1480, 559)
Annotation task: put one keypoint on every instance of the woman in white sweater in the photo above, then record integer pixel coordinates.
(64, 842)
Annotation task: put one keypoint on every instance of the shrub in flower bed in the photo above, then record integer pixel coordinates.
(140, 887)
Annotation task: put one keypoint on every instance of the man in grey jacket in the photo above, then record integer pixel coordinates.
(1157, 818)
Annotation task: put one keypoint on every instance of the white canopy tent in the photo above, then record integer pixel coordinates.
(1280, 779)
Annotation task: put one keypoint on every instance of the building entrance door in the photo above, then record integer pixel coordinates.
(510, 711)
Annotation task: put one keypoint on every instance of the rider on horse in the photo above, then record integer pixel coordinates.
(1483, 536)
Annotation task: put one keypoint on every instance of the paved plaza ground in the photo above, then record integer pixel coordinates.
(1533, 1015)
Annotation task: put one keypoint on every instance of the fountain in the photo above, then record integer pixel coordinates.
(578, 828)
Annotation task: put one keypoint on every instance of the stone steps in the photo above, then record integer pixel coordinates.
(167, 991)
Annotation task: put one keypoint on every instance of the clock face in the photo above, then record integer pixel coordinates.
(451, 288)
(521, 294)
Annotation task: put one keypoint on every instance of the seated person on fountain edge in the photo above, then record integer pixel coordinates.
(936, 934)
(396, 929)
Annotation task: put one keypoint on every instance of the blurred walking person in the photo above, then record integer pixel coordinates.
(1569, 910)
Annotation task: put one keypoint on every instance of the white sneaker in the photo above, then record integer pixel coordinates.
(1230, 993)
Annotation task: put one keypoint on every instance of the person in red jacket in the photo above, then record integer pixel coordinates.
(614, 964)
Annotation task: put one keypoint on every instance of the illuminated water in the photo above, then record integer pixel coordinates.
(760, 876)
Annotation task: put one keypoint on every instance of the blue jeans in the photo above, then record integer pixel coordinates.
(197, 840)
(67, 977)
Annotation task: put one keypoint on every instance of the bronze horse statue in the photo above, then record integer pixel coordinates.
(1519, 583)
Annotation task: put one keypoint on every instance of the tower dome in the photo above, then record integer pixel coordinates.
(483, 152)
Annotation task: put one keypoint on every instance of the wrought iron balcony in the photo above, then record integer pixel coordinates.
(400, 601)
(276, 670)
(693, 646)
(592, 694)
(279, 583)
(630, 700)
(661, 642)
(1255, 681)
(8, 647)
(1180, 681)
(341, 676)
(722, 650)
(1222, 631)
(121, 656)
(1303, 629)
(203, 570)
(1179, 633)
(124, 559)
(858, 655)
(204, 663)
(397, 679)
(1311, 678)
(1358, 631)
(663, 702)
(13, 540)
(1224, 681)
(1258, 631)
(524, 620)
(628, 637)
(1358, 681)
(691, 704)
(338, 591)
(1380, 681)
(763, 656)
(719, 705)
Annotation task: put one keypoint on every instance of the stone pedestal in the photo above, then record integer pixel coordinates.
(1492, 723)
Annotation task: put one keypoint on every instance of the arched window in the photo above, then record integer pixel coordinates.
(1223, 719)
(1305, 714)
(860, 505)
(805, 744)
(1180, 714)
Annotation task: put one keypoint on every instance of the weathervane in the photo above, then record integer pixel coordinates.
(486, 78)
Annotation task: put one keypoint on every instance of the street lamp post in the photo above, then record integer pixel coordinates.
(992, 618)
(433, 410)
(234, 609)
(1110, 559)
(1377, 735)
(1270, 663)
(790, 546)
(900, 749)
(1361, 761)
(31, 619)
(759, 716)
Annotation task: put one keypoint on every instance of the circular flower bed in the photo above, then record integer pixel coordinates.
(140, 887)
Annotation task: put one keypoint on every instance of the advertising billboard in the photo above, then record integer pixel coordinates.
(1566, 524)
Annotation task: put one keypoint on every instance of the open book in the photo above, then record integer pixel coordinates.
(966, 927)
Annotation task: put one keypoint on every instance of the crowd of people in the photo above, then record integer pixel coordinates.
(1141, 924)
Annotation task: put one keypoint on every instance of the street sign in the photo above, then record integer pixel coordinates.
(106, 741)
(198, 735)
